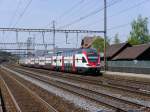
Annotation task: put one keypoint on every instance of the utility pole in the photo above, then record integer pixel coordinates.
(54, 36)
(77, 40)
(17, 41)
(105, 34)
(45, 45)
(67, 38)
(17, 37)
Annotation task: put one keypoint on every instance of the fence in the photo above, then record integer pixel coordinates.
(134, 66)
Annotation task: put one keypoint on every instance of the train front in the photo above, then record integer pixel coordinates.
(93, 60)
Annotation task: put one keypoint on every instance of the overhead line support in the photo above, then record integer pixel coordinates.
(105, 34)
(54, 33)
(50, 30)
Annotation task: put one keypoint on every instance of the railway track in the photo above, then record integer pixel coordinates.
(109, 100)
(10, 102)
(104, 84)
(131, 86)
(61, 106)
(19, 98)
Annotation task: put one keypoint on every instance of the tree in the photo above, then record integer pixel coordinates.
(116, 39)
(139, 33)
(99, 43)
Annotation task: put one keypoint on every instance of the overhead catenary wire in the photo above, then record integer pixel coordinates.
(122, 25)
(23, 12)
(21, 15)
(15, 12)
(71, 9)
(120, 12)
(84, 5)
(89, 14)
(13, 16)
(76, 6)
(119, 26)
(67, 12)
(129, 8)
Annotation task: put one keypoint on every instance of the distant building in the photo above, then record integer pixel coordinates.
(137, 52)
(87, 42)
(126, 58)
(114, 49)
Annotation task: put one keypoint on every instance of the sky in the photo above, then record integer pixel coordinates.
(41, 13)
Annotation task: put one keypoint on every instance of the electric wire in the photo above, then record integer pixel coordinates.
(84, 5)
(122, 25)
(120, 12)
(20, 17)
(15, 12)
(23, 12)
(119, 26)
(68, 12)
(71, 9)
(88, 15)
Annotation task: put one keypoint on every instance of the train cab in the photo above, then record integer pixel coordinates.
(88, 60)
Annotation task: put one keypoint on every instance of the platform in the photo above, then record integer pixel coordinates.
(141, 77)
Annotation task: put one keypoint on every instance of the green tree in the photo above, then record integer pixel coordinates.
(139, 33)
(99, 43)
(116, 39)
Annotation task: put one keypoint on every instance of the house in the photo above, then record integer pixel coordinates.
(137, 52)
(87, 42)
(134, 59)
(114, 49)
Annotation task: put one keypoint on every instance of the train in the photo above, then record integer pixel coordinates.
(82, 60)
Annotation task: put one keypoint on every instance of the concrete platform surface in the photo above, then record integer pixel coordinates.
(142, 77)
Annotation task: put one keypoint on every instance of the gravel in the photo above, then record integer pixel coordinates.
(77, 100)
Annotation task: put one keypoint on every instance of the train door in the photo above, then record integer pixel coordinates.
(73, 64)
(63, 66)
(52, 63)
(57, 61)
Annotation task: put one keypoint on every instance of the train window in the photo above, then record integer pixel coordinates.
(66, 54)
(79, 51)
(83, 60)
(90, 50)
(71, 53)
(92, 54)
(93, 59)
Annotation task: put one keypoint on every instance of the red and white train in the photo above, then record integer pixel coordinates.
(77, 61)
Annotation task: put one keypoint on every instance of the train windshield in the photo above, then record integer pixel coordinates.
(92, 55)
(93, 58)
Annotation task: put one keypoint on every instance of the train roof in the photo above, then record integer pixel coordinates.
(77, 50)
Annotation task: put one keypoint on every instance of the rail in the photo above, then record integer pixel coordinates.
(49, 107)
(35, 76)
(10, 94)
